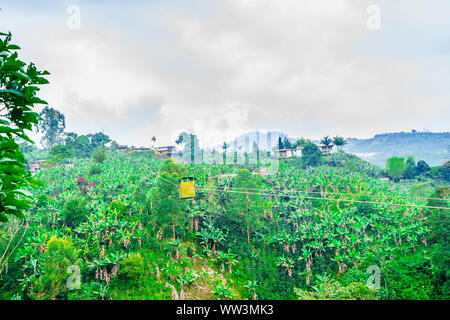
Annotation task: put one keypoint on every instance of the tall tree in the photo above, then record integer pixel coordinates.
(247, 208)
(224, 147)
(52, 125)
(98, 139)
(339, 142)
(287, 144)
(169, 212)
(411, 168)
(280, 144)
(311, 154)
(395, 167)
(301, 142)
(80, 145)
(18, 87)
(422, 167)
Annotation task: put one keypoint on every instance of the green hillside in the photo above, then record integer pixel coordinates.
(434, 148)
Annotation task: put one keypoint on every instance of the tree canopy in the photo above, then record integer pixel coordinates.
(18, 96)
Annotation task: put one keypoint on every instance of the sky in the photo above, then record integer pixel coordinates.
(220, 68)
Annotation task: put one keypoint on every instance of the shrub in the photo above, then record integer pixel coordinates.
(118, 206)
(395, 167)
(99, 154)
(408, 277)
(42, 201)
(311, 154)
(95, 169)
(58, 256)
(333, 290)
(132, 267)
(74, 211)
(365, 207)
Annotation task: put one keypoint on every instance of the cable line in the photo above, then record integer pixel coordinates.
(327, 199)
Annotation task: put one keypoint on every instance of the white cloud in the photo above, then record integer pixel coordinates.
(306, 68)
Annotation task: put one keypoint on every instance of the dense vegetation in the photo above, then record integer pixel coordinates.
(297, 234)
(111, 225)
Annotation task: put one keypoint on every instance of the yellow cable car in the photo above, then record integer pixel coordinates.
(186, 188)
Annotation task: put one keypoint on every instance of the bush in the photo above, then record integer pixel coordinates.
(333, 290)
(95, 169)
(99, 154)
(59, 255)
(408, 277)
(118, 206)
(74, 212)
(365, 208)
(132, 267)
(42, 201)
(311, 154)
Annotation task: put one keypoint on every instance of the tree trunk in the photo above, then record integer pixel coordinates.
(248, 234)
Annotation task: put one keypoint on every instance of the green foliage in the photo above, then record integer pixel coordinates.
(247, 208)
(18, 86)
(95, 169)
(98, 139)
(411, 169)
(291, 242)
(222, 291)
(61, 151)
(58, 256)
(170, 167)
(287, 144)
(326, 141)
(445, 171)
(132, 267)
(339, 142)
(395, 167)
(353, 163)
(79, 145)
(365, 208)
(422, 167)
(439, 222)
(333, 290)
(118, 206)
(52, 124)
(311, 154)
(408, 277)
(83, 146)
(99, 154)
(169, 211)
(75, 211)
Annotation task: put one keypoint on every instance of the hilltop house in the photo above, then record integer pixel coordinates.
(326, 150)
(289, 153)
(140, 149)
(166, 150)
(122, 148)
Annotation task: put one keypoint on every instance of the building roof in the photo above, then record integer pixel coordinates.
(282, 150)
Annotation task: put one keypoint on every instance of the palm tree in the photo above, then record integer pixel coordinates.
(326, 141)
(224, 147)
(339, 142)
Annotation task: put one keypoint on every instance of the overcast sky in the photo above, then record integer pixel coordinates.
(139, 68)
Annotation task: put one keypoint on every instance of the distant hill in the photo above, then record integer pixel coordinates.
(265, 141)
(434, 148)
